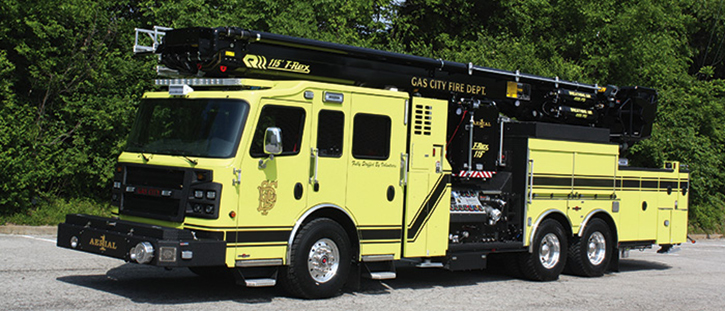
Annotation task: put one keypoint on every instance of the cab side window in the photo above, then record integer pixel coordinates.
(330, 133)
(290, 119)
(371, 137)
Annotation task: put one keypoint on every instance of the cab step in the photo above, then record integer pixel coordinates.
(260, 282)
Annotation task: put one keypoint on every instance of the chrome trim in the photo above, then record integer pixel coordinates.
(550, 251)
(304, 216)
(596, 248)
(589, 217)
(333, 97)
(530, 182)
(316, 158)
(405, 112)
(323, 260)
(374, 258)
(404, 169)
(258, 263)
(536, 225)
(500, 161)
(526, 218)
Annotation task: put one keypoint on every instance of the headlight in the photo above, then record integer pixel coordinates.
(198, 194)
(142, 253)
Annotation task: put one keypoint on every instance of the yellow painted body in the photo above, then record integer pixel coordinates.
(359, 188)
(583, 180)
(399, 205)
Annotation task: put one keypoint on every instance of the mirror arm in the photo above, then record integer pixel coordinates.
(263, 162)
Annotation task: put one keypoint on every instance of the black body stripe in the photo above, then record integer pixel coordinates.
(258, 236)
(603, 183)
(552, 181)
(428, 206)
(381, 234)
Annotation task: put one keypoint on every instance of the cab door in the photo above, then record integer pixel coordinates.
(374, 189)
(328, 153)
(271, 190)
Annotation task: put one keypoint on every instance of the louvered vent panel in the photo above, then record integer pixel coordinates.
(422, 118)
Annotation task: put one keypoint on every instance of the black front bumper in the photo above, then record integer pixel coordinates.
(115, 238)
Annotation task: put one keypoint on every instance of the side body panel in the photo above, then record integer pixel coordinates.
(574, 179)
(428, 191)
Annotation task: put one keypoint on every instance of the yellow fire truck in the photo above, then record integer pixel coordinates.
(315, 164)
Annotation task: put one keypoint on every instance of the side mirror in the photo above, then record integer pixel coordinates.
(273, 141)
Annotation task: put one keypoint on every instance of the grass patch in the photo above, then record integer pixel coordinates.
(53, 212)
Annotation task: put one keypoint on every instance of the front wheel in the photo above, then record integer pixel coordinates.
(320, 260)
(590, 255)
(548, 257)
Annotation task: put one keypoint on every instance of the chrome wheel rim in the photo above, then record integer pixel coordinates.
(323, 260)
(549, 251)
(596, 248)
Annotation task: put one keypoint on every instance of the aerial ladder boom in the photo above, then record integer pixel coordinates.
(628, 112)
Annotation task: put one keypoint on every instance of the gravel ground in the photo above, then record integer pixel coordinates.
(37, 275)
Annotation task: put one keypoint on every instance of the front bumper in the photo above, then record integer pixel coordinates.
(115, 238)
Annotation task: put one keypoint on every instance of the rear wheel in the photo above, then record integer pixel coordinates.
(548, 257)
(590, 255)
(320, 260)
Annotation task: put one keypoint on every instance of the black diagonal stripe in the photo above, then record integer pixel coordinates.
(428, 206)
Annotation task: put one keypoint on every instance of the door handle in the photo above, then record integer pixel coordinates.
(316, 158)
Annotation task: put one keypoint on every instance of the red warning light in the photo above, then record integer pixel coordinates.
(223, 68)
(198, 66)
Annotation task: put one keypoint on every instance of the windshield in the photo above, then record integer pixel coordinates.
(188, 127)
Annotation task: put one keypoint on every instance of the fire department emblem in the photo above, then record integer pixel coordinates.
(267, 196)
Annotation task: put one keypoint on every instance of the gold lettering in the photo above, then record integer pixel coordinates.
(102, 243)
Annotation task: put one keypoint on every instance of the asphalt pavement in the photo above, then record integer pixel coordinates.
(37, 275)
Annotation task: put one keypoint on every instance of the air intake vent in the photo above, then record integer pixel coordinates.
(422, 120)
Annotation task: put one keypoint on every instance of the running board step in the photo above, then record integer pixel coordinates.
(382, 275)
(428, 264)
(260, 282)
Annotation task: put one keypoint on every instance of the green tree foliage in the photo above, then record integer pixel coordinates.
(74, 88)
(69, 85)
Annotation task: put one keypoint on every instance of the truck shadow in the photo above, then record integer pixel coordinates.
(146, 284)
(633, 265)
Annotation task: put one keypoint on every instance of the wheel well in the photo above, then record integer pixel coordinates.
(610, 223)
(556, 216)
(562, 220)
(341, 218)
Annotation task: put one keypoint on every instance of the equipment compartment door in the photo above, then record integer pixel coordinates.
(374, 190)
(679, 214)
(428, 194)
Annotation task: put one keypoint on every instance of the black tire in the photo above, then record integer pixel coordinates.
(315, 245)
(590, 255)
(548, 257)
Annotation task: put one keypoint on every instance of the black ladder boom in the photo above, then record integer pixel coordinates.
(628, 112)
